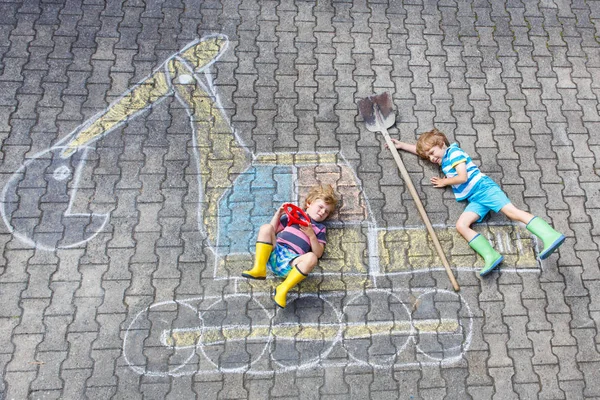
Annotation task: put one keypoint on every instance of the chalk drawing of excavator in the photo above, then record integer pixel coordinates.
(237, 192)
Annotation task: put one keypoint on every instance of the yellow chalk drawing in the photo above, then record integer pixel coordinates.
(220, 158)
(344, 265)
(297, 158)
(145, 93)
(299, 332)
(410, 250)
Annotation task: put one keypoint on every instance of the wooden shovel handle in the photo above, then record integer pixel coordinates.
(417, 200)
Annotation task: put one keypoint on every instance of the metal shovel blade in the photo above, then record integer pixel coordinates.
(377, 112)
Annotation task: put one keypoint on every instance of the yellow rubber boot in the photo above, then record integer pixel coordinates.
(293, 278)
(259, 270)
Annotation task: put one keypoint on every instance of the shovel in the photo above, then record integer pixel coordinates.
(378, 114)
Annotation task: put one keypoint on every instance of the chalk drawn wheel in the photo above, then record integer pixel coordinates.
(161, 340)
(236, 333)
(305, 332)
(378, 327)
(443, 325)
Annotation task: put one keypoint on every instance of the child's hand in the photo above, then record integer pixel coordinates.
(397, 144)
(280, 211)
(438, 182)
(308, 230)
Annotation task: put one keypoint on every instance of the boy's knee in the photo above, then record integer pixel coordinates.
(312, 259)
(306, 263)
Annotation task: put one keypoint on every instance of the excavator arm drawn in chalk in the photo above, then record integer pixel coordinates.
(37, 200)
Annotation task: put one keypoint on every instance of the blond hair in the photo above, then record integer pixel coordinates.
(323, 192)
(427, 140)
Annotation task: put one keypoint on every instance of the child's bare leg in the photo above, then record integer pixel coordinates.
(516, 214)
(306, 262)
(266, 234)
(478, 242)
(301, 267)
(536, 225)
(463, 225)
(264, 246)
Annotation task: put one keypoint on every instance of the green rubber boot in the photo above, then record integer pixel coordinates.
(293, 278)
(551, 238)
(259, 270)
(491, 257)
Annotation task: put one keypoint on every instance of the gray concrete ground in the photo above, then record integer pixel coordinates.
(143, 142)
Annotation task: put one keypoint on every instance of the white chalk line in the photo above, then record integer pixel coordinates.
(319, 360)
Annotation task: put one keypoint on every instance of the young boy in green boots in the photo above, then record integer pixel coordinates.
(297, 248)
(481, 192)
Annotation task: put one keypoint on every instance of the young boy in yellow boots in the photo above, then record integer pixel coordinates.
(482, 193)
(297, 247)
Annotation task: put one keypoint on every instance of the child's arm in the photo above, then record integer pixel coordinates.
(315, 246)
(411, 148)
(461, 170)
(276, 217)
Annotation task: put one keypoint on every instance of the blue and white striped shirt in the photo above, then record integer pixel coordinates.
(455, 155)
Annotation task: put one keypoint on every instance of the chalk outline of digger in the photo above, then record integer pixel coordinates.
(176, 76)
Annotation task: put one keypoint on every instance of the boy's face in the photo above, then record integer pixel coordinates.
(436, 153)
(318, 210)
